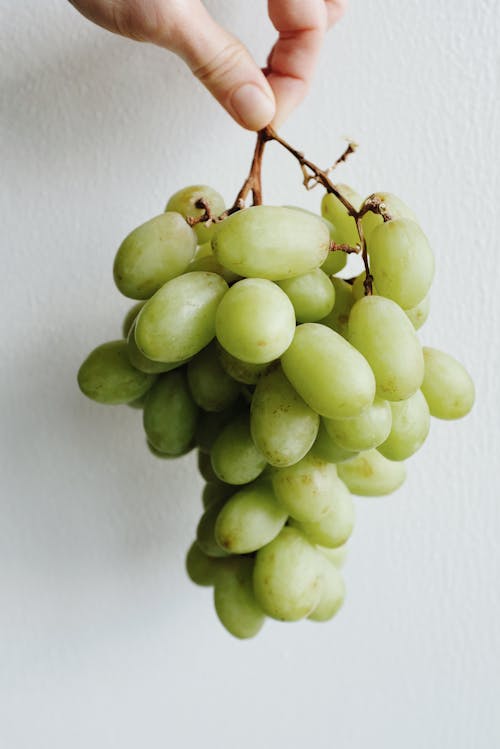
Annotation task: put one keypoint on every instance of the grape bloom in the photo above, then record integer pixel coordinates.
(297, 388)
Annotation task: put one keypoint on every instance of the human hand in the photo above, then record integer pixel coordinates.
(254, 98)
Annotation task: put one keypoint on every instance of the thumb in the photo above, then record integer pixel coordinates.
(224, 66)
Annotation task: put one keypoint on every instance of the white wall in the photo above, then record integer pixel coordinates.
(104, 642)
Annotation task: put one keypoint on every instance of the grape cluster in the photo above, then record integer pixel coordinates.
(297, 387)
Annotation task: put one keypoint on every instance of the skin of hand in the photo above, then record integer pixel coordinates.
(254, 98)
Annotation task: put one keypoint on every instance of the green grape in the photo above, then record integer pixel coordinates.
(129, 318)
(201, 568)
(205, 532)
(271, 242)
(410, 427)
(335, 211)
(287, 576)
(210, 264)
(212, 389)
(332, 593)
(372, 475)
(325, 447)
(141, 362)
(203, 250)
(335, 261)
(335, 556)
(401, 260)
(170, 414)
(210, 425)
(395, 208)
(327, 372)
(338, 318)
(234, 599)
(255, 321)
(164, 456)
(205, 466)
(311, 294)
(283, 426)
(334, 528)
(250, 519)
(179, 320)
(362, 432)
(240, 371)
(418, 315)
(152, 254)
(235, 458)
(380, 330)
(358, 287)
(447, 386)
(138, 402)
(215, 491)
(184, 202)
(308, 489)
(107, 376)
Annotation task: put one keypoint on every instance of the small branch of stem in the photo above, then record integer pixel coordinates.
(253, 182)
(349, 249)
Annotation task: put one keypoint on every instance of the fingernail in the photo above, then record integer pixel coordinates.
(252, 106)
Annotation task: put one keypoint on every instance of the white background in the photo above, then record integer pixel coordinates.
(104, 642)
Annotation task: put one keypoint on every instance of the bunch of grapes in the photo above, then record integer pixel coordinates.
(298, 388)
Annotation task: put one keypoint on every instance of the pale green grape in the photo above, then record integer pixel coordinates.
(410, 427)
(418, 315)
(203, 250)
(107, 376)
(138, 402)
(345, 231)
(401, 262)
(255, 321)
(210, 264)
(215, 491)
(380, 330)
(395, 208)
(184, 202)
(358, 287)
(447, 386)
(332, 593)
(205, 466)
(170, 414)
(235, 458)
(201, 568)
(335, 556)
(240, 371)
(335, 261)
(210, 425)
(311, 294)
(372, 475)
(179, 320)
(287, 576)
(308, 489)
(205, 532)
(234, 598)
(152, 254)
(327, 372)
(338, 318)
(362, 432)
(271, 242)
(325, 447)
(129, 318)
(250, 519)
(283, 426)
(139, 361)
(211, 388)
(334, 528)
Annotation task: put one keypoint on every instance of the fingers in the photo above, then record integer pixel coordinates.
(335, 10)
(223, 65)
(301, 26)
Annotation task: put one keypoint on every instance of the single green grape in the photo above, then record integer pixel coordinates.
(129, 318)
(326, 448)
(334, 528)
(205, 466)
(152, 254)
(308, 489)
(418, 315)
(394, 207)
(358, 287)
(179, 320)
(380, 330)
(447, 386)
(372, 475)
(271, 242)
(255, 321)
(241, 371)
(212, 389)
(332, 593)
(335, 261)
(184, 202)
(234, 599)
(141, 362)
(250, 519)
(287, 576)
(215, 491)
(235, 458)
(369, 429)
(210, 264)
(338, 318)
(107, 376)
(283, 426)
(334, 210)
(201, 568)
(170, 414)
(332, 377)
(335, 556)
(410, 427)
(211, 424)
(311, 294)
(205, 532)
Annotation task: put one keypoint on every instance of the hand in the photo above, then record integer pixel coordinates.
(254, 98)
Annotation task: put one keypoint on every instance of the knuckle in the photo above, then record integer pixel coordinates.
(222, 64)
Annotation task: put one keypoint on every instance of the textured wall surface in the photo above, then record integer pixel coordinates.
(103, 640)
